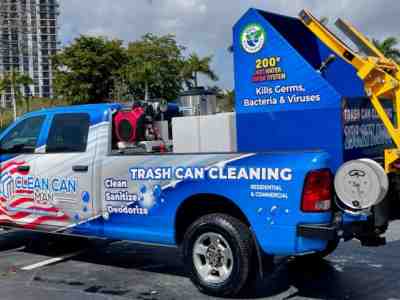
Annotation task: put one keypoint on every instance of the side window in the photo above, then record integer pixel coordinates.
(23, 138)
(68, 133)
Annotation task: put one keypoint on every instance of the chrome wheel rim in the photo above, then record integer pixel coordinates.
(213, 258)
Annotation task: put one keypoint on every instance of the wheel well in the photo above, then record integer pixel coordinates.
(200, 205)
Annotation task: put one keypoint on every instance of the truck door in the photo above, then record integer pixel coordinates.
(19, 146)
(64, 173)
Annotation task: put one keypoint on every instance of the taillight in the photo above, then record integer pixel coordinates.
(318, 191)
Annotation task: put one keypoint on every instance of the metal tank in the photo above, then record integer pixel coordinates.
(198, 102)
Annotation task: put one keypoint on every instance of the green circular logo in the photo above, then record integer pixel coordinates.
(253, 38)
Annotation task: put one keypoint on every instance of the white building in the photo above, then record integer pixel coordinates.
(28, 38)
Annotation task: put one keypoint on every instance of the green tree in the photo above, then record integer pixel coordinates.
(194, 66)
(154, 67)
(3, 85)
(85, 70)
(389, 48)
(225, 99)
(3, 88)
(230, 100)
(14, 81)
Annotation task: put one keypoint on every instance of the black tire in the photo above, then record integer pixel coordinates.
(238, 236)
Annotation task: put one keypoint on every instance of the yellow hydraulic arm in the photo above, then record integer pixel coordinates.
(381, 75)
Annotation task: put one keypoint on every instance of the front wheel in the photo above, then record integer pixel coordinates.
(217, 253)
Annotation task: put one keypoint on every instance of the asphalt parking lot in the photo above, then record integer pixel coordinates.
(121, 270)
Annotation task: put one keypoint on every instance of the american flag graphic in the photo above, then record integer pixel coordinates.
(18, 206)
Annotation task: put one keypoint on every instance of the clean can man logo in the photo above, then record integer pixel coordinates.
(253, 38)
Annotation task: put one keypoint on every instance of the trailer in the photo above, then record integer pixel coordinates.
(305, 161)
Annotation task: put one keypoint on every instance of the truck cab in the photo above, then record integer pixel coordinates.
(48, 153)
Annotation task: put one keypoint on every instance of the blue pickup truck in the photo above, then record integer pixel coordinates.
(123, 172)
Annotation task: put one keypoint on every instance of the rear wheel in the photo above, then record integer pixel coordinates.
(217, 253)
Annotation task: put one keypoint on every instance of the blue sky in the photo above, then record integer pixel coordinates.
(204, 26)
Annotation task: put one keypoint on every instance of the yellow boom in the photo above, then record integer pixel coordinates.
(381, 75)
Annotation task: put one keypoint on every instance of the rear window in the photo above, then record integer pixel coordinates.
(68, 133)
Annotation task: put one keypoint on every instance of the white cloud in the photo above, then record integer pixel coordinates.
(205, 26)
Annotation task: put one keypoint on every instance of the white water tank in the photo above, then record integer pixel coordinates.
(205, 134)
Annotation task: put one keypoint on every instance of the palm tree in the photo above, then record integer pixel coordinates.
(230, 100)
(25, 80)
(3, 88)
(194, 66)
(3, 85)
(15, 80)
(389, 47)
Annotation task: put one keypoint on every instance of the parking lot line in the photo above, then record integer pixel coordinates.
(51, 261)
(10, 251)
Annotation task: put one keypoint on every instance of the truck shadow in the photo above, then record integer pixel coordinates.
(351, 273)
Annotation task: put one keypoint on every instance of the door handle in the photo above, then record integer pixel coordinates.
(80, 169)
(24, 168)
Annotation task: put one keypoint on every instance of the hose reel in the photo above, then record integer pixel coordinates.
(361, 184)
